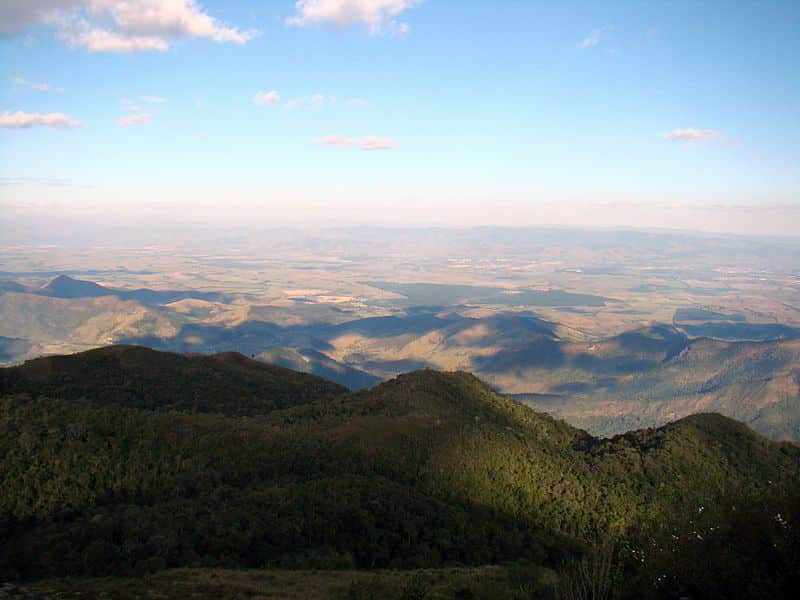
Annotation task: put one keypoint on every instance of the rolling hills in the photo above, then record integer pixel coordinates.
(650, 376)
(642, 377)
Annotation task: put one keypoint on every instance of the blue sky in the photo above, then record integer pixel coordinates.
(681, 114)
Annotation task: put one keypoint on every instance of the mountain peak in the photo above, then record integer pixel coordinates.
(64, 286)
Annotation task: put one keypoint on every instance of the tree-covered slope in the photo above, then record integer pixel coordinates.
(138, 377)
(424, 470)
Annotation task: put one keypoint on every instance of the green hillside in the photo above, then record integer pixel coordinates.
(427, 470)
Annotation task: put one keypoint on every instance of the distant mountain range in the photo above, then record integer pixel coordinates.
(125, 460)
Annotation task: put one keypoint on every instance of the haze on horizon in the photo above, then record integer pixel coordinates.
(401, 113)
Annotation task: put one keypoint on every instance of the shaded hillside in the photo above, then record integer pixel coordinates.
(64, 286)
(643, 377)
(651, 376)
(640, 378)
(137, 377)
(634, 351)
(427, 469)
(381, 346)
(81, 322)
(317, 363)
(700, 322)
(441, 294)
(734, 331)
(10, 348)
(388, 346)
(12, 286)
(250, 337)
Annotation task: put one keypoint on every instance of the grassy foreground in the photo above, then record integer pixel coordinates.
(429, 584)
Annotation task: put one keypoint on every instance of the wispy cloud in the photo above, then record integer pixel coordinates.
(271, 97)
(595, 37)
(134, 119)
(23, 120)
(130, 105)
(688, 136)
(378, 15)
(370, 142)
(41, 181)
(138, 115)
(39, 87)
(335, 141)
(315, 101)
(376, 143)
(318, 101)
(120, 26)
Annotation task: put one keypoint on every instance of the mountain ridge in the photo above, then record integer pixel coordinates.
(427, 469)
(135, 376)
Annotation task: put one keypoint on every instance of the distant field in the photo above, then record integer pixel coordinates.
(436, 294)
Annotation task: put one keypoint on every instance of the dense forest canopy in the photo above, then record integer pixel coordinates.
(126, 461)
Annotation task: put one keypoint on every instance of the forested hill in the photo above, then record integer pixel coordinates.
(428, 469)
(137, 377)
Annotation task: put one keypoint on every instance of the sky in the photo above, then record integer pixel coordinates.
(679, 114)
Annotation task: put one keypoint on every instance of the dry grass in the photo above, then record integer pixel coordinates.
(257, 584)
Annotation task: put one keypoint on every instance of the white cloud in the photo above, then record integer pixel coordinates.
(377, 15)
(23, 120)
(152, 99)
(171, 18)
(120, 25)
(692, 135)
(376, 143)
(80, 34)
(595, 37)
(271, 97)
(368, 143)
(18, 15)
(134, 119)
